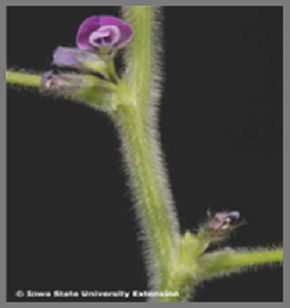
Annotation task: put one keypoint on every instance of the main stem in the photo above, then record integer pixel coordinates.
(142, 153)
(153, 212)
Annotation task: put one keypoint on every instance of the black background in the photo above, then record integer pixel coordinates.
(71, 224)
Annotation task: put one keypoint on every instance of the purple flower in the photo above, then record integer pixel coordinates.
(78, 58)
(103, 32)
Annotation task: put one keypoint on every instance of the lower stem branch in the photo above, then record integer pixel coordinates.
(226, 262)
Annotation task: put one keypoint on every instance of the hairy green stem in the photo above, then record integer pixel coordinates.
(23, 79)
(152, 209)
(142, 151)
(226, 262)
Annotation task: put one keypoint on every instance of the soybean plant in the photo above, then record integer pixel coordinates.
(176, 262)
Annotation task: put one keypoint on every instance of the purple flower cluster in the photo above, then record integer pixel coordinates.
(102, 34)
(97, 36)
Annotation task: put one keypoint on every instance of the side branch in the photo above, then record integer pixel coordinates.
(230, 261)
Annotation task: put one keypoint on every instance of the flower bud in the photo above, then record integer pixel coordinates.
(222, 221)
(87, 89)
(218, 226)
(67, 82)
(79, 59)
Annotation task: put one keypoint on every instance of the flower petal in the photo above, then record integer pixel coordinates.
(126, 34)
(88, 26)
